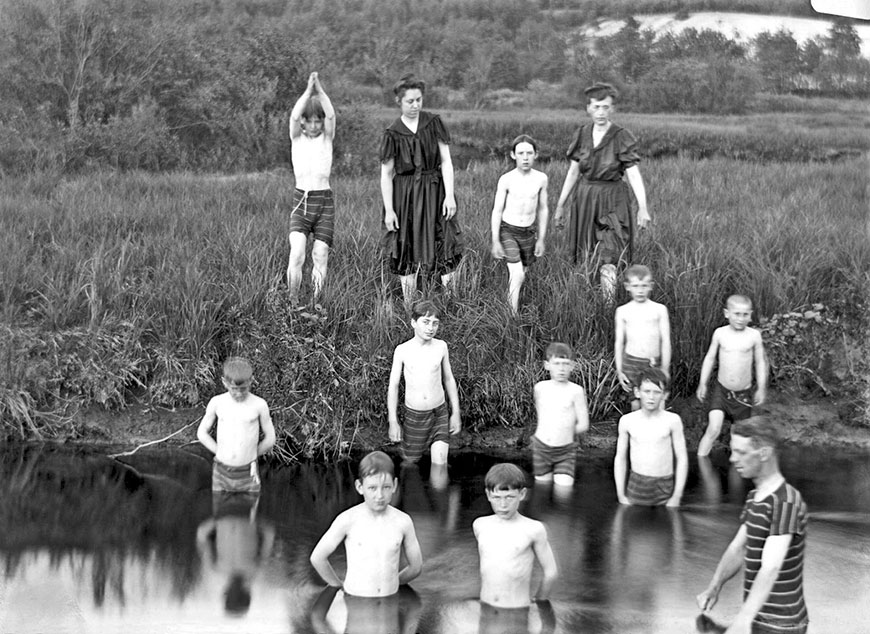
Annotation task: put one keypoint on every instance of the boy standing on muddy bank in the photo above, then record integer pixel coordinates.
(312, 129)
(425, 365)
(375, 535)
(562, 415)
(520, 199)
(736, 349)
(654, 442)
(240, 417)
(643, 332)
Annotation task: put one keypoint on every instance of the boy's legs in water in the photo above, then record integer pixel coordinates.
(438, 452)
(714, 427)
(320, 259)
(298, 242)
(516, 277)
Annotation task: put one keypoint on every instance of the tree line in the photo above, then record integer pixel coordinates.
(156, 84)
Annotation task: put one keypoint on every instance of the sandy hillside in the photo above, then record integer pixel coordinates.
(741, 26)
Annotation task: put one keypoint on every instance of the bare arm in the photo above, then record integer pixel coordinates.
(581, 411)
(327, 545)
(665, 336)
(299, 108)
(772, 556)
(544, 553)
(413, 555)
(328, 109)
(495, 220)
(620, 462)
(543, 218)
(203, 432)
(567, 187)
(447, 178)
(393, 395)
(618, 349)
(707, 367)
(761, 371)
(729, 565)
(268, 428)
(452, 392)
(388, 171)
(635, 180)
(681, 457)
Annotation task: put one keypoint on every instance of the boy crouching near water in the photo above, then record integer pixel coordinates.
(508, 544)
(653, 439)
(424, 363)
(562, 415)
(240, 417)
(375, 535)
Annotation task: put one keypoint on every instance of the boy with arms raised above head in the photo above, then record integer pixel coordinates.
(375, 534)
(425, 365)
(643, 332)
(508, 544)
(654, 442)
(735, 348)
(240, 417)
(520, 198)
(562, 415)
(312, 129)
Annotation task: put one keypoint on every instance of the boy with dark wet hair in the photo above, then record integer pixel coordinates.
(643, 332)
(520, 204)
(508, 544)
(736, 349)
(240, 417)
(375, 536)
(424, 363)
(654, 442)
(562, 414)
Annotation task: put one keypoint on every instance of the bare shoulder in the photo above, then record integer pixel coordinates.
(756, 334)
(540, 177)
(258, 401)
(441, 345)
(673, 420)
(577, 389)
(534, 528)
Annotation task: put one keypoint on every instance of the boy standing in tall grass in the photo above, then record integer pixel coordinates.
(240, 417)
(520, 198)
(643, 332)
(562, 414)
(424, 363)
(736, 349)
(312, 129)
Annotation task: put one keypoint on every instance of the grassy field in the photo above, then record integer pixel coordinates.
(127, 286)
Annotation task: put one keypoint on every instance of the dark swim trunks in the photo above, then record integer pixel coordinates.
(558, 460)
(313, 212)
(243, 479)
(421, 429)
(736, 405)
(649, 490)
(633, 366)
(518, 243)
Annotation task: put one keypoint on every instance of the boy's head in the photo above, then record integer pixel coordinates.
(560, 361)
(376, 480)
(425, 307)
(524, 150)
(237, 377)
(312, 118)
(652, 386)
(505, 489)
(738, 311)
(600, 91)
(754, 444)
(425, 319)
(638, 282)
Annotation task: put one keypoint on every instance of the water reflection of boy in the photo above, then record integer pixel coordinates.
(435, 508)
(233, 543)
(398, 613)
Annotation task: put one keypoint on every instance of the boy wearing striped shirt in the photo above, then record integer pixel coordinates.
(769, 545)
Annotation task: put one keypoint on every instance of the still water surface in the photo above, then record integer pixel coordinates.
(90, 545)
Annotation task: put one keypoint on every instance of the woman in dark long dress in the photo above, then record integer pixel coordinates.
(601, 225)
(417, 191)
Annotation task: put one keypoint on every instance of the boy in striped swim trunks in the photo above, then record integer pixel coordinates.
(652, 439)
(562, 414)
(769, 545)
(520, 201)
(425, 365)
(312, 129)
(240, 417)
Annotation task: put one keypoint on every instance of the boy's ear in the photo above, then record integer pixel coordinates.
(636, 390)
(523, 492)
(513, 155)
(358, 484)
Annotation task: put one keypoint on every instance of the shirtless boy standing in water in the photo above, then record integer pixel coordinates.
(375, 534)
(240, 417)
(736, 348)
(520, 199)
(425, 365)
(508, 544)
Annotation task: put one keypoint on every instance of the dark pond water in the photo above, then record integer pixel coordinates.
(90, 545)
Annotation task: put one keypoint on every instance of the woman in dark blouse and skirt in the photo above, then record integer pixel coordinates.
(601, 224)
(417, 192)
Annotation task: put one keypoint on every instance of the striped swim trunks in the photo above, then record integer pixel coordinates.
(518, 243)
(243, 479)
(649, 490)
(313, 212)
(421, 429)
(558, 460)
(632, 366)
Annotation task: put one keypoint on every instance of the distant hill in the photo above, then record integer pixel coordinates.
(739, 26)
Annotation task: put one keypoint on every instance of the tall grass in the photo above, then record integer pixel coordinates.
(117, 283)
